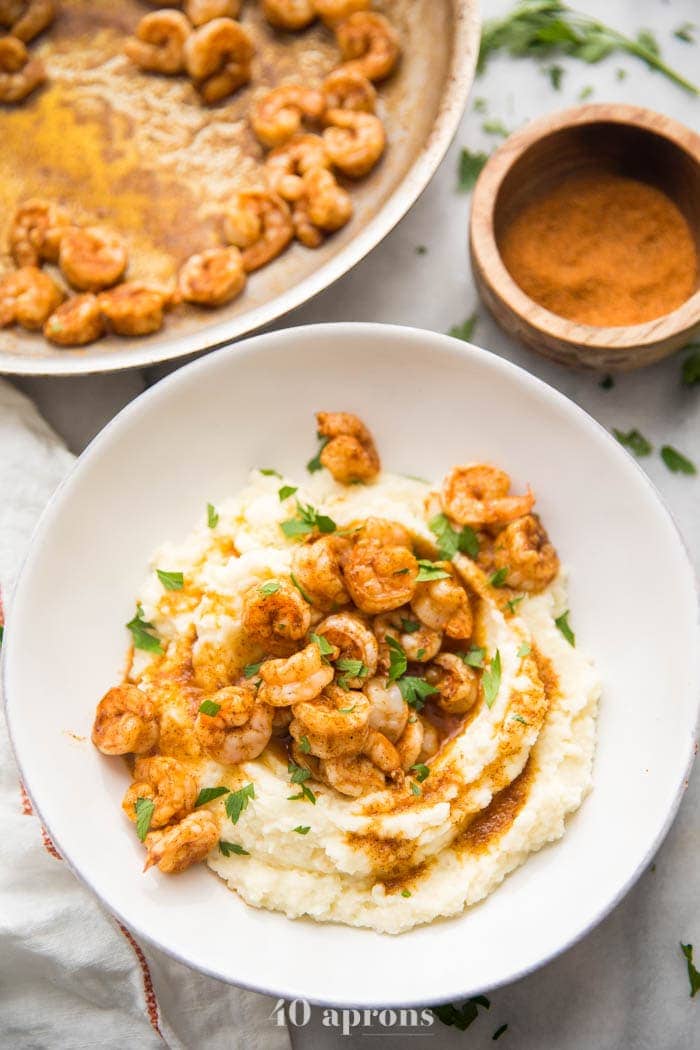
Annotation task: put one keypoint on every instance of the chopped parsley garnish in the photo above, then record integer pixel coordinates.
(480, 105)
(305, 793)
(499, 1032)
(607, 382)
(556, 75)
(143, 633)
(304, 745)
(346, 710)
(325, 647)
(286, 491)
(693, 973)
(421, 249)
(691, 366)
(351, 669)
(499, 577)
(172, 581)
(227, 848)
(634, 441)
(676, 462)
(302, 829)
(144, 808)
(2, 632)
(405, 893)
(470, 165)
(495, 127)
(250, 670)
(315, 464)
(409, 626)
(428, 570)
(415, 790)
(685, 33)
(209, 707)
(465, 330)
(461, 1016)
(415, 690)
(269, 472)
(450, 541)
(513, 603)
(306, 520)
(237, 801)
(421, 770)
(519, 718)
(420, 654)
(209, 794)
(524, 650)
(491, 679)
(398, 661)
(562, 623)
(299, 587)
(271, 587)
(298, 773)
(212, 516)
(585, 93)
(474, 657)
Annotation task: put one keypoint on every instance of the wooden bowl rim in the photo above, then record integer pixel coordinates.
(485, 249)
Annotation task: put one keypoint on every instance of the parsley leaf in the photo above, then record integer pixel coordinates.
(323, 644)
(298, 773)
(499, 1032)
(305, 793)
(250, 670)
(634, 441)
(685, 33)
(315, 464)
(524, 650)
(421, 249)
(144, 808)
(409, 626)
(209, 707)
(237, 801)
(491, 680)
(143, 634)
(302, 829)
(212, 516)
(299, 587)
(304, 745)
(562, 623)
(465, 330)
(607, 382)
(227, 848)
(421, 770)
(415, 790)
(269, 472)
(556, 75)
(172, 581)
(474, 657)
(499, 577)
(286, 491)
(415, 690)
(450, 541)
(428, 570)
(513, 603)
(691, 366)
(461, 1017)
(470, 165)
(693, 973)
(271, 587)
(352, 669)
(398, 661)
(209, 794)
(2, 632)
(676, 462)
(495, 127)
(405, 893)
(306, 520)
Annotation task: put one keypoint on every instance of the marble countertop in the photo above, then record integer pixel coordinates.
(625, 985)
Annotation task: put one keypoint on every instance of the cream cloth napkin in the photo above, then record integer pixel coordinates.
(70, 975)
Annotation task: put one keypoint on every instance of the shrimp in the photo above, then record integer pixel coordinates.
(443, 605)
(187, 842)
(334, 723)
(350, 453)
(19, 74)
(201, 11)
(36, 231)
(317, 570)
(457, 682)
(35, 17)
(332, 11)
(274, 618)
(410, 744)
(28, 297)
(369, 44)
(76, 322)
(260, 224)
(478, 495)
(167, 783)
(218, 57)
(329, 206)
(354, 641)
(354, 141)
(212, 277)
(285, 164)
(92, 259)
(289, 14)
(380, 579)
(304, 230)
(133, 308)
(382, 753)
(125, 722)
(281, 717)
(388, 710)
(241, 728)
(419, 642)
(158, 46)
(524, 549)
(385, 532)
(300, 678)
(348, 89)
(278, 114)
(431, 740)
(352, 775)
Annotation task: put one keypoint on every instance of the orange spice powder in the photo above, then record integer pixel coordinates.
(602, 249)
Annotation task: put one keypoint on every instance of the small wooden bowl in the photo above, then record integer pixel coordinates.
(625, 140)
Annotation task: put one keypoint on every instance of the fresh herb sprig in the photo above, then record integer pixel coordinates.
(143, 633)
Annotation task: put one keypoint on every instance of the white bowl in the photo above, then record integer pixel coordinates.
(431, 402)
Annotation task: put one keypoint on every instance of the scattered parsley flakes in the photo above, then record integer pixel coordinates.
(499, 1032)
(237, 801)
(209, 707)
(450, 541)
(607, 382)
(676, 462)
(144, 808)
(325, 647)
(351, 669)
(304, 745)
(212, 516)
(143, 633)
(421, 770)
(562, 622)
(398, 661)
(250, 670)
(495, 127)
(513, 603)
(519, 718)
(474, 657)
(499, 577)
(686, 33)
(227, 848)
(172, 581)
(585, 93)
(306, 520)
(286, 491)
(461, 1016)
(556, 75)
(491, 680)
(693, 973)
(409, 626)
(524, 650)
(299, 587)
(2, 633)
(428, 570)
(415, 690)
(209, 794)
(315, 463)
(465, 330)
(302, 829)
(271, 587)
(415, 790)
(470, 165)
(270, 472)
(297, 773)
(621, 74)
(690, 372)
(305, 793)
(421, 249)
(405, 893)
(634, 441)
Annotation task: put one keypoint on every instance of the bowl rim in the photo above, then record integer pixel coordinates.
(459, 77)
(249, 347)
(485, 251)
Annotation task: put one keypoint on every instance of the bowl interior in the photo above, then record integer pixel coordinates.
(431, 402)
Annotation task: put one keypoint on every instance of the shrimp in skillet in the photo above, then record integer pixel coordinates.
(333, 11)
(278, 114)
(19, 74)
(289, 14)
(212, 277)
(159, 43)
(285, 165)
(133, 308)
(28, 297)
(259, 223)
(348, 89)
(32, 18)
(75, 322)
(369, 44)
(92, 259)
(201, 11)
(36, 231)
(218, 56)
(354, 141)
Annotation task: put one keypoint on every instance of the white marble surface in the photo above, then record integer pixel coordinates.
(625, 985)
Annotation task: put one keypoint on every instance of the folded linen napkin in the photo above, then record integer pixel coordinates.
(71, 976)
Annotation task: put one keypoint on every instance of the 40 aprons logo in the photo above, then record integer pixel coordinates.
(298, 1014)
